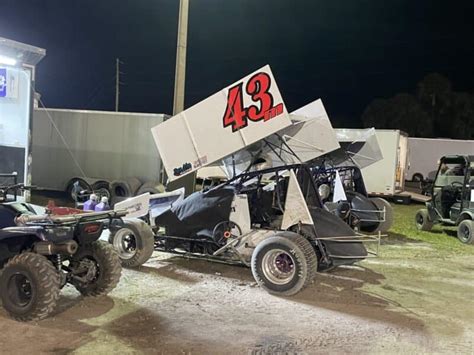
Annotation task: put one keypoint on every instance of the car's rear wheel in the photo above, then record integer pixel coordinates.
(466, 231)
(284, 264)
(29, 287)
(382, 205)
(422, 220)
(134, 242)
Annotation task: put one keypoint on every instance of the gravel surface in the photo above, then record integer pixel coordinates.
(412, 299)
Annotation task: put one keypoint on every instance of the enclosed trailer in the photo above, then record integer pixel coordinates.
(386, 177)
(426, 152)
(92, 144)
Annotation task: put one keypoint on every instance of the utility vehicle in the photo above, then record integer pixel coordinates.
(452, 201)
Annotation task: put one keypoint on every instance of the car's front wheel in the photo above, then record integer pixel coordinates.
(422, 220)
(466, 231)
(284, 264)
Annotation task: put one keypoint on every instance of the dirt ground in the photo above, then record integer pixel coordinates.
(416, 297)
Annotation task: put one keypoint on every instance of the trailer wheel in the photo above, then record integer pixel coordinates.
(134, 242)
(284, 264)
(101, 188)
(381, 203)
(422, 220)
(466, 231)
(82, 184)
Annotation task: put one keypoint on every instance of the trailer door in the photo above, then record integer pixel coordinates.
(402, 162)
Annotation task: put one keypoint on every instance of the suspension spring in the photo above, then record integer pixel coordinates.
(59, 262)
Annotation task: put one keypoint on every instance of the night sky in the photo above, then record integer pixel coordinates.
(345, 52)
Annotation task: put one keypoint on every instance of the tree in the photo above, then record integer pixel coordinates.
(400, 112)
(435, 111)
(462, 116)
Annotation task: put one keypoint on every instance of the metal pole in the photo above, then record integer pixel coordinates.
(117, 84)
(180, 73)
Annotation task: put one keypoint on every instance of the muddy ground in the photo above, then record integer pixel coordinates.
(418, 296)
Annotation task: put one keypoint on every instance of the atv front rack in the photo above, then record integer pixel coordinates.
(70, 219)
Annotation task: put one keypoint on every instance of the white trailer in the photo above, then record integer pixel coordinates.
(424, 154)
(92, 144)
(386, 177)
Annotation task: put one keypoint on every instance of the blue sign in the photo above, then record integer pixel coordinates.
(3, 82)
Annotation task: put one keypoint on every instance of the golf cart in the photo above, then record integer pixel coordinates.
(452, 201)
(270, 219)
(40, 254)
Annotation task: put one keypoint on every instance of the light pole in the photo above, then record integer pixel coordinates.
(188, 182)
(180, 73)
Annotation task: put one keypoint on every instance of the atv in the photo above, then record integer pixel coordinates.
(270, 220)
(452, 201)
(40, 254)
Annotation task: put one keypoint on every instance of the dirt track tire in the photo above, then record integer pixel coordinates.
(381, 204)
(466, 231)
(152, 187)
(134, 184)
(29, 287)
(422, 220)
(140, 235)
(284, 264)
(120, 189)
(109, 269)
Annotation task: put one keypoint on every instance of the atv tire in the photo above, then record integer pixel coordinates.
(108, 268)
(466, 231)
(134, 242)
(29, 287)
(422, 220)
(381, 203)
(284, 264)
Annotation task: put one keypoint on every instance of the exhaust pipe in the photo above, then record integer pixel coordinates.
(49, 248)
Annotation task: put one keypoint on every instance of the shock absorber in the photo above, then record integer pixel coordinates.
(59, 262)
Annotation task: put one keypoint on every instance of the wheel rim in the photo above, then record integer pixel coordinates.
(20, 290)
(125, 243)
(278, 266)
(83, 187)
(419, 220)
(464, 233)
(103, 192)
